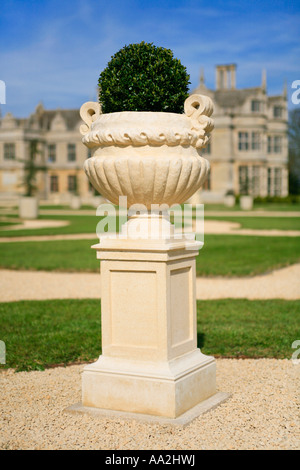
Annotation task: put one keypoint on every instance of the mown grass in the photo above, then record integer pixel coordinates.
(59, 255)
(40, 334)
(235, 255)
(257, 206)
(88, 224)
(222, 255)
(77, 224)
(244, 328)
(263, 223)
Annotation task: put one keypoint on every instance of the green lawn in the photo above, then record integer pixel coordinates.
(40, 334)
(235, 255)
(60, 255)
(248, 328)
(280, 207)
(263, 223)
(77, 224)
(222, 255)
(88, 223)
(6, 223)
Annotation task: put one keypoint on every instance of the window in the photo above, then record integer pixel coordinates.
(53, 183)
(278, 112)
(71, 152)
(269, 181)
(277, 144)
(51, 153)
(255, 180)
(243, 180)
(72, 183)
(249, 179)
(243, 141)
(274, 181)
(9, 152)
(256, 106)
(277, 181)
(269, 144)
(274, 144)
(255, 144)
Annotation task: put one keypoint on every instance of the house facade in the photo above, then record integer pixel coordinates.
(60, 150)
(248, 151)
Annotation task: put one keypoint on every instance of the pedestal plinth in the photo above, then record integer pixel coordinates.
(150, 362)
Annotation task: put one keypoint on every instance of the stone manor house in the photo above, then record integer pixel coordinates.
(248, 151)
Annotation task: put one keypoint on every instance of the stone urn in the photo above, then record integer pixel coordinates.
(150, 363)
(149, 157)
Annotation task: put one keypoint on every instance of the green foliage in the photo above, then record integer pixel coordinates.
(294, 152)
(31, 169)
(290, 199)
(143, 77)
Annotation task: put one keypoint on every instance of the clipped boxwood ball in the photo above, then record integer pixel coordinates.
(143, 77)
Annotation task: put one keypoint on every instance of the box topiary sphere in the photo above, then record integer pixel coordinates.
(143, 77)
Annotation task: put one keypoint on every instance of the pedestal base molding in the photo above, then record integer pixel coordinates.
(162, 389)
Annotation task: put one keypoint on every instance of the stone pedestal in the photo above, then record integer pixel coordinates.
(75, 202)
(229, 200)
(150, 362)
(246, 203)
(28, 207)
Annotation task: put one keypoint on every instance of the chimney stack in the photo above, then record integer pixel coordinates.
(225, 75)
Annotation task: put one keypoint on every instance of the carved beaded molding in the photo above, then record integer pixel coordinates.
(148, 128)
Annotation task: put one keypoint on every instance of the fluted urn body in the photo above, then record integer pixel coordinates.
(149, 157)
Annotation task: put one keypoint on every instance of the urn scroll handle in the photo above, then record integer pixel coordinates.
(199, 108)
(89, 112)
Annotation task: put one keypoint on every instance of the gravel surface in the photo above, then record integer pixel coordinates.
(262, 413)
(40, 285)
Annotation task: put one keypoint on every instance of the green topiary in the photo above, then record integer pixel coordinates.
(143, 77)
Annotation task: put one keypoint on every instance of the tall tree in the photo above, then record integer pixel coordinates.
(294, 151)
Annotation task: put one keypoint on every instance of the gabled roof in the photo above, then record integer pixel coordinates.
(233, 98)
(45, 117)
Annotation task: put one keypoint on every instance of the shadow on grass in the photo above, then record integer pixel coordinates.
(200, 340)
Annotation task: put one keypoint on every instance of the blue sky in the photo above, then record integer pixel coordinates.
(53, 50)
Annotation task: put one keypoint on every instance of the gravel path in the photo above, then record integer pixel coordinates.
(39, 285)
(262, 413)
